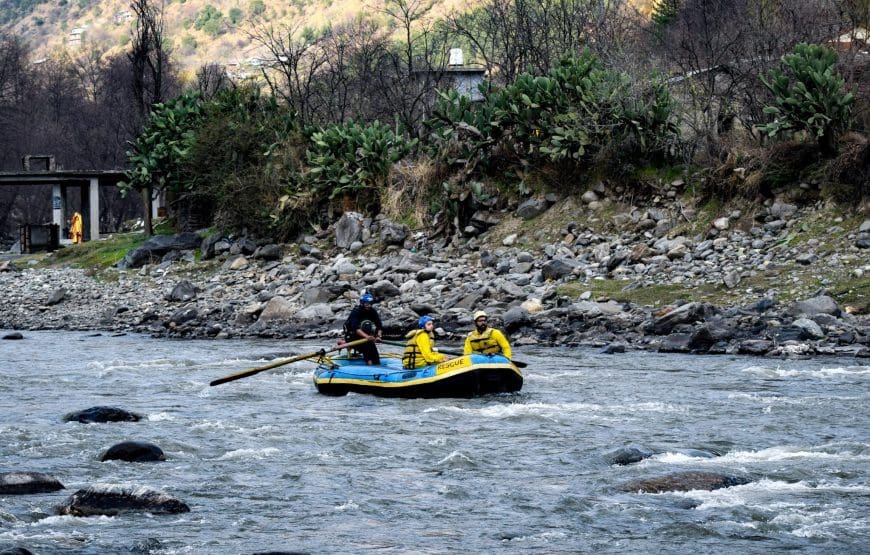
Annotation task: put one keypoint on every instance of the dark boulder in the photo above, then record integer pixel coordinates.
(156, 247)
(627, 455)
(183, 291)
(16, 551)
(102, 414)
(13, 335)
(688, 313)
(134, 451)
(114, 500)
(23, 483)
(685, 481)
(612, 348)
(676, 343)
(755, 347)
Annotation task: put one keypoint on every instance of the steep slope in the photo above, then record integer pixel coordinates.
(199, 31)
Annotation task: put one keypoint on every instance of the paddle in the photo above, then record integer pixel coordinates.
(517, 363)
(252, 371)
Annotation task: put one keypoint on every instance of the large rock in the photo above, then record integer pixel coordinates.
(278, 308)
(823, 304)
(348, 229)
(393, 233)
(101, 414)
(531, 208)
(134, 451)
(628, 455)
(154, 248)
(320, 312)
(22, 483)
(688, 313)
(558, 268)
(685, 481)
(112, 500)
(515, 318)
(183, 291)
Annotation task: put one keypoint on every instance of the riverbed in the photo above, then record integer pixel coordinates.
(267, 464)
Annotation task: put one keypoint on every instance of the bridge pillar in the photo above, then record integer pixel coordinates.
(58, 206)
(94, 207)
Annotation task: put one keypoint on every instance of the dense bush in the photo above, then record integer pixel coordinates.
(810, 96)
(576, 111)
(245, 152)
(353, 160)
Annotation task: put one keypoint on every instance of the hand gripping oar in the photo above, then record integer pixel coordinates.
(252, 371)
(517, 363)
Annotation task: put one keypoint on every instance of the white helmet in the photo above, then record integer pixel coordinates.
(480, 314)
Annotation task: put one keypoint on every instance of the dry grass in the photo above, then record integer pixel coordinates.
(411, 186)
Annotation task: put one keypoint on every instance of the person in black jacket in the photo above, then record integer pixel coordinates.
(365, 323)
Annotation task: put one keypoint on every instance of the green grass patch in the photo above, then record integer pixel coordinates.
(96, 254)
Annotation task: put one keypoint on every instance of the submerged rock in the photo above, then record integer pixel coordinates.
(685, 481)
(134, 451)
(22, 483)
(628, 455)
(111, 500)
(102, 414)
(16, 551)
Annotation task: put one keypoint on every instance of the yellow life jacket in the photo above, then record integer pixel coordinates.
(413, 355)
(484, 342)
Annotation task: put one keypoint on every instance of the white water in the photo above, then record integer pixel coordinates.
(266, 463)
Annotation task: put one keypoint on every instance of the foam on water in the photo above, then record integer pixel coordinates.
(242, 454)
(823, 373)
(348, 505)
(772, 454)
(554, 410)
(766, 494)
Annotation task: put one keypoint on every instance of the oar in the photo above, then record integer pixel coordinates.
(517, 363)
(252, 371)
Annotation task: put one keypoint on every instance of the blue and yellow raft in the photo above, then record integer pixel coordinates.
(465, 376)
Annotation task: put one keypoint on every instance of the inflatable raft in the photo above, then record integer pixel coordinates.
(465, 376)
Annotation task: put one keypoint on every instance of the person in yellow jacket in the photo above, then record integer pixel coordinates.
(484, 340)
(75, 228)
(420, 349)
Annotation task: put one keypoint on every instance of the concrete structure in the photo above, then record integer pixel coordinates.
(41, 170)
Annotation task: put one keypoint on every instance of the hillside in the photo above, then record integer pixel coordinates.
(199, 31)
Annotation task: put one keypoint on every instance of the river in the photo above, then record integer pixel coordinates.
(267, 464)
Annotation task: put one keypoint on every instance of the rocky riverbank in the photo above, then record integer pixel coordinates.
(537, 271)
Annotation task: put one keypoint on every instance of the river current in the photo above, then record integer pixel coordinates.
(268, 464)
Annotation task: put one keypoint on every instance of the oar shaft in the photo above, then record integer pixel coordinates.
(257, 370)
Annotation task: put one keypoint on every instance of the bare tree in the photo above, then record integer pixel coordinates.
(515, 36)
(149, 61)
(415, 68)
(295, 59)
(211, 79)
(720, 47)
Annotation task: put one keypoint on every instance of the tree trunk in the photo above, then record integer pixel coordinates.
(828, 143)
(146, 205)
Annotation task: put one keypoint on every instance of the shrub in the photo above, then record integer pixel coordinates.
(353, 159)
(810, 96)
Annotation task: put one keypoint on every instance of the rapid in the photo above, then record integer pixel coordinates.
(267, 464)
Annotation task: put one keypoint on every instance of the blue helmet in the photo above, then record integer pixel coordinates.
(367, 298)
(421, 323)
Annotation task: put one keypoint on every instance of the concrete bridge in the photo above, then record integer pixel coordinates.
(41, 170)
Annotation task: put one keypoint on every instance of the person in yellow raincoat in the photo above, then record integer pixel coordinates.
(420, 349)
(75, 228)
